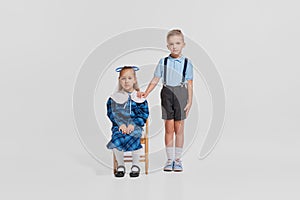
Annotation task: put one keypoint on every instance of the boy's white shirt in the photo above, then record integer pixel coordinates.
(121, 97)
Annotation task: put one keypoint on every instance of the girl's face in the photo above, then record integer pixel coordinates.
(127, 79)
(175, 45)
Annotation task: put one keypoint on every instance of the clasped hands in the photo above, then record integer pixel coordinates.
(126, 130)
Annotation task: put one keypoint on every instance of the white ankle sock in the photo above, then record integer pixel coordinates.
(170, 153)
(178, 153)
(119, 156)
(136, 157)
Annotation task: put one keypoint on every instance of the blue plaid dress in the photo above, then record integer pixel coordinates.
(126, 113)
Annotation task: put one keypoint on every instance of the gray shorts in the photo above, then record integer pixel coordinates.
(173, 102)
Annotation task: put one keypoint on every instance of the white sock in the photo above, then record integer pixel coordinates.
(135, 159)
(170, 153)
(178, 153)
(119, 156)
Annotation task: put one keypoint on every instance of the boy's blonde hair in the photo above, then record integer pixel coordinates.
(135, 86)
(175, 32)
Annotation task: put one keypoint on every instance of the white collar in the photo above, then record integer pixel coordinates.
(122, 97)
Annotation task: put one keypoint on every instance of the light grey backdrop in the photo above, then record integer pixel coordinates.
(254, 45)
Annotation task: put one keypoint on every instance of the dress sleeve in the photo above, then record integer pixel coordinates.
(141, 113)
(113, 114)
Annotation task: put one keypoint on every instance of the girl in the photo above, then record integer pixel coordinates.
(128, 114)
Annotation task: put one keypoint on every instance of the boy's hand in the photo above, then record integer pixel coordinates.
(123, 128)
(187, 108)
(140, 94)
(130, 128)
(144, 95)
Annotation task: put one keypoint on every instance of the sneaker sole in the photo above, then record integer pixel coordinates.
(178, 170)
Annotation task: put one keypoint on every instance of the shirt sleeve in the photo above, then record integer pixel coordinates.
(113, 114)
(141, 113)
(159, 69)
(189, 71)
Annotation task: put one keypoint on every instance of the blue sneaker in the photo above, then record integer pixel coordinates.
(169, 166)
(178, 166)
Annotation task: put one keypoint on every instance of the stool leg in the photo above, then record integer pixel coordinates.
(146, 157)
(114, 164)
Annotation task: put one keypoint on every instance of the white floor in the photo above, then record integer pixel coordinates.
(235, 170)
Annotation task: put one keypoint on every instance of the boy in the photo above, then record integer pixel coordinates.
(176, 96)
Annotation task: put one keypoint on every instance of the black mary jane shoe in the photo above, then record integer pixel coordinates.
(135, 173)
(120, 173)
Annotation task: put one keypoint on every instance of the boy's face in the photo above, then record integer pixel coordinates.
(175, 45)
(127, 79)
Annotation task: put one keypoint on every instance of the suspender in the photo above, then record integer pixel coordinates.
(183, 72)
(165, 70)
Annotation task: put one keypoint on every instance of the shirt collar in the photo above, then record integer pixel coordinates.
(179, 59)
(121, 97)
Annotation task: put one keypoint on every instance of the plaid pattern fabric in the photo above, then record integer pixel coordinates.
(128, 113)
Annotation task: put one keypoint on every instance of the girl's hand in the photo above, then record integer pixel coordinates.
(187, 108)
(123, 128)
(130, 128)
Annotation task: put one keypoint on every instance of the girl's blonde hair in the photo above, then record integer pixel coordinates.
(135, 86)
(175, 32)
